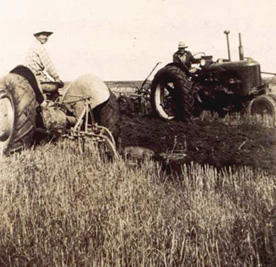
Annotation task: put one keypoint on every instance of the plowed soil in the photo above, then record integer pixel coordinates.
(209, 141)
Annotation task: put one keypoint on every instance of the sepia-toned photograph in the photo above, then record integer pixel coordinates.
(138, 133)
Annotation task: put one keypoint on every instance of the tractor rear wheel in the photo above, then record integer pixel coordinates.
(264, 108)
(172, 94)
(108, 115)
(18, 114)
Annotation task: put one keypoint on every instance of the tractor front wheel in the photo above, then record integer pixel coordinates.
(264, 109)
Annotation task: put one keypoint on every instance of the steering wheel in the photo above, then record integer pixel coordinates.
(199, 53)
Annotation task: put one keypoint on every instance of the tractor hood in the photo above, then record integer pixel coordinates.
(234, 65)
(248, 71)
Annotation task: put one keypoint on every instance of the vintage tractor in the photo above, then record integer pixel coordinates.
(72, 115)
(221, 86)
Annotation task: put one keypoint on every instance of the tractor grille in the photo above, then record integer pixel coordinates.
(250, 75)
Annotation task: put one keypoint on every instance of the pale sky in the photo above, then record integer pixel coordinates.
(124, 39)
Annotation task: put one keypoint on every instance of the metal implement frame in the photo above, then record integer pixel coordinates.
(86, 129)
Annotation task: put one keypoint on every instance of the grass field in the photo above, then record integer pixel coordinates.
(59, 207)
(62, 208)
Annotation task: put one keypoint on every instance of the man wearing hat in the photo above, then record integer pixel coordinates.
(184, 57)
(38, 60)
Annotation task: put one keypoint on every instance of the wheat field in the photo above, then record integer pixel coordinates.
(62, 208)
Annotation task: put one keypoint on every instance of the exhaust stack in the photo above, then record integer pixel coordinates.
(240, 48)
(228, 45)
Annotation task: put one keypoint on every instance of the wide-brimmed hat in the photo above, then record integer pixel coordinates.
(43, 32)
(182, 45)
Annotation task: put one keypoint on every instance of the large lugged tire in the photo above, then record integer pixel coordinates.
(19, 105)
(108, 115)
(172, 93)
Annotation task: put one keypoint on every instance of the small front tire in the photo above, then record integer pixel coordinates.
(264, 108)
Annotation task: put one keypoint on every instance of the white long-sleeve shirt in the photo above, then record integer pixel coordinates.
(38, 60)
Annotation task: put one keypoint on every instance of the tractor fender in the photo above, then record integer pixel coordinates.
(87, 85)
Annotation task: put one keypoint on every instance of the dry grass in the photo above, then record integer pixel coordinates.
(60, 208)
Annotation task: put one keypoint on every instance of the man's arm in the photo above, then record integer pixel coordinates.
(193, 59)
(48, 64)
(176, 59)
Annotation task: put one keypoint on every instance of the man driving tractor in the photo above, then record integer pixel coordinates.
(38, 60)
(184, 57)
(102, 101)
